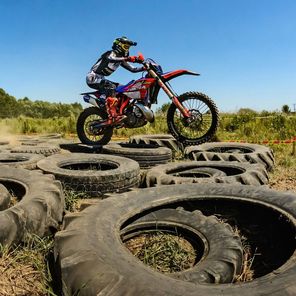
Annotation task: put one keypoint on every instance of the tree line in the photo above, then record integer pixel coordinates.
(10, 107)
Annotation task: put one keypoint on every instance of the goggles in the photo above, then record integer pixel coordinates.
(125, 46)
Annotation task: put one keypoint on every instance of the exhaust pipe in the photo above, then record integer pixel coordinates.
(147, 112)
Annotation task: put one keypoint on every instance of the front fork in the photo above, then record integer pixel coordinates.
(184, 111)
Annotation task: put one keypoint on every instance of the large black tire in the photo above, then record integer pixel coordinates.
(93, 174)
(224, 151)
(81, 148)
(82, 131)
(147, 155)
(163, 140)
(20, 160)
(179, 173)
(4, 143)
(39, 210)
(45, 150)
(5, 198)
(93, 259)
(193, 135)
(51, 136)
(221, 251)
(5, 149)
(32, 142)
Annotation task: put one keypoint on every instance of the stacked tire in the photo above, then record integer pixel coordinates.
(93, 259)
(215, 197)
(147, 155)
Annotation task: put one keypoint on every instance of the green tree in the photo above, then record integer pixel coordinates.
(286, 109)
(163, 109)
(10, 107)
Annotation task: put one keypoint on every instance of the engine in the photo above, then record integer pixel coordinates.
(135, 117)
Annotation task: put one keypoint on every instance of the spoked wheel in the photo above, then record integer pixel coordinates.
(201, 126)
(88, 130)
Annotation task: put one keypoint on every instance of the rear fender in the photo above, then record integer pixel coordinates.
(97, 102)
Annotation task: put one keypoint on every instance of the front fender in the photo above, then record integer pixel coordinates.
(168, 76)
(173, 74)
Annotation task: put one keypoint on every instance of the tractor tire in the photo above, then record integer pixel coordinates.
(224, 151)
(5, 198)
(38, 149)
(163, 140)
(39, 210)
(206, 172)
(222, 249)
(94, 261)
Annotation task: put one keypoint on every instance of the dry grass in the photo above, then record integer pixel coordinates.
(73, 200)
(283, 177)
(164, 252)
(24, 270)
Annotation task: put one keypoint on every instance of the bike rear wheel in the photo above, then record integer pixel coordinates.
(86, 128)
(202, 124)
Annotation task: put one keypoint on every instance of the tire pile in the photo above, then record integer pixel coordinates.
(215, 189)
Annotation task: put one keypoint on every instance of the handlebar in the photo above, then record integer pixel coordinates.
(147, 63)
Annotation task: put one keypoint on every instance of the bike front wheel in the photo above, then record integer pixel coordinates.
(201, 126)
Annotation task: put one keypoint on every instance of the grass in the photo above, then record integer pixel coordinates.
(242, 126)
(283, 177)
(73, 200)
(24, 270)
(164, 252)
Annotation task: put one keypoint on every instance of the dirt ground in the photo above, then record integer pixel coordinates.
(283, 179)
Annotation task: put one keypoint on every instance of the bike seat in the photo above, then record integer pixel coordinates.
(90, 93)
(120, 88)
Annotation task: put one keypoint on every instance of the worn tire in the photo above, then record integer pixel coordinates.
(40, 207)
(179, 173)
(33, 142)
(222, 253)
(81, 148)
(93, 260)
(147, 155)
(4, 143)
(38, 149)
(20, 160)
(111, 174)
(5, 149)
(5, 198)
(163, 140)
(224, 151)
(50, 136)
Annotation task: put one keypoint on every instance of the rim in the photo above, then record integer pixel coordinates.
(93, 134)
(201, 120)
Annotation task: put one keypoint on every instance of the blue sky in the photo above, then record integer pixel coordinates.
(245, 50)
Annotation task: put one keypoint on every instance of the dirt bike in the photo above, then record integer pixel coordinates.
(192, 118)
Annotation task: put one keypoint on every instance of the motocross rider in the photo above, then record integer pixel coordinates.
(105, 66)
